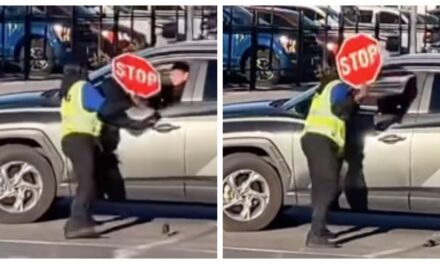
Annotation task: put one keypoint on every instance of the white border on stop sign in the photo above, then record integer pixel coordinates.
(376, 74)
(122, 85)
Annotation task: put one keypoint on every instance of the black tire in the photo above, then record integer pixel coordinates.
(24, 153)
(264, 54)
(240, 161)
(35, 72)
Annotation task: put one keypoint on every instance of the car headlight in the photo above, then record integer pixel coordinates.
(62, 32)
(288, 44)
(108, 34)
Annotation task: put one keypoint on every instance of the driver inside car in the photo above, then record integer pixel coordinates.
(173, 85)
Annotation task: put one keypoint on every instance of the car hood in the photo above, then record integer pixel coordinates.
(253, 109)
(25, 100)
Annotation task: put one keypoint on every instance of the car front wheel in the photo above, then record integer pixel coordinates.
(252, 192)
(27, 184)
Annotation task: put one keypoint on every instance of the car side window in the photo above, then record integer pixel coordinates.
(388, 18)
(174, 81)
(282, 22)
(434, 104)
(210, 90)
(312, 15)
(172, 91)
(365, 16)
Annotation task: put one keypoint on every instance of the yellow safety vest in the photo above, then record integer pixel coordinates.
(321, 119)
(76, 119)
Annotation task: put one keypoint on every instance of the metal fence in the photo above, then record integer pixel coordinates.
(269, 45)
(36, 41)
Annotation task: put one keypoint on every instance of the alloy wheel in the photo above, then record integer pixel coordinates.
(21, 186)
(245, 195)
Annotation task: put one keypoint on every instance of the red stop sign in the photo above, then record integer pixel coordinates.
(136, 75)
(359, 60)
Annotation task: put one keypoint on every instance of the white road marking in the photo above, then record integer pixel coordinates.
(57, 243)
(196, 250)
(277, 251)
(129, 252)
(133, 251)
(385, 252)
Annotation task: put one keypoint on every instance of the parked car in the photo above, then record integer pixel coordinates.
(49, 42)
(286, 19)
(276, 53)
(393, 20)
(330, 20)
(91, 26)
(178, 154)
(391, 163)
(164, 17)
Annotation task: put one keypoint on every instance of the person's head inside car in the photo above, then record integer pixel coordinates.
(179, 74)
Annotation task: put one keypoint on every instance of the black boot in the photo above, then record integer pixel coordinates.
(329, 234)
(316, 241)
(79, 229)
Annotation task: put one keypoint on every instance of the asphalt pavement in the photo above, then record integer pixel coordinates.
(129, 231)
(362, 235)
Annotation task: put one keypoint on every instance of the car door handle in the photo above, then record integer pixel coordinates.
(165, 127)
(391, 139)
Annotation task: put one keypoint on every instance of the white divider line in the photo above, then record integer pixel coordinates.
(277, 251)
(133, 251)
(57, 243)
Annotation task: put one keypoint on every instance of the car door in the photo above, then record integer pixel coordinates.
(201, 136)
(201, 129)
(159, 152)
(425, 151)
(377, 172)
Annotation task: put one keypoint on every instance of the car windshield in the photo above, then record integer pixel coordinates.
(300, 104)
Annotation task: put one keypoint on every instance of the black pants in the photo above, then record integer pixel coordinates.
(81, 149)
(107, 173)
(324, 166)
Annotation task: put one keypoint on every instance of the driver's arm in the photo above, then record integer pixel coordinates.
(116, 103)
(114, 113)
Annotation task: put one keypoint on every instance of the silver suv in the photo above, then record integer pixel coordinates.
(176, 160)
(392, 162)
